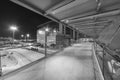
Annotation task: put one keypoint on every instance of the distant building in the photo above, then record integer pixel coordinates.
(51, 37)
(5, 40)
(51, 34)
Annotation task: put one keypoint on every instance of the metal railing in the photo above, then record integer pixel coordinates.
(97, 70)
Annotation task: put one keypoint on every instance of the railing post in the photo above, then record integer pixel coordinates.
(0, 66)
(103, 61)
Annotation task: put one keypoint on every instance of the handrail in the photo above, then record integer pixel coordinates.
(97, 65)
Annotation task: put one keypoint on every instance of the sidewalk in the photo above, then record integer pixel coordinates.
(73, 63)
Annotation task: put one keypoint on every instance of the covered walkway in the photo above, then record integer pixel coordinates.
(98, 19)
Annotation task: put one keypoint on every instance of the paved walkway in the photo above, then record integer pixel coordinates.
(73, 63)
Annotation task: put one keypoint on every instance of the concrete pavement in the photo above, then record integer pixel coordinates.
(73, 63)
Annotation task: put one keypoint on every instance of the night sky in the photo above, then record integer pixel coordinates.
(13, 14)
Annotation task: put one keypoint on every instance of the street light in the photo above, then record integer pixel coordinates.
(28, 35)
(47, 29)
(13, 28)
(22, 35)
(54, 31)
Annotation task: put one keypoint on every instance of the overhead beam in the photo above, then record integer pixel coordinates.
(93, 23)
(90, 21)
(91, 28)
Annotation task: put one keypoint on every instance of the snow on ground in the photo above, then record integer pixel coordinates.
(8, 61)
(16, 58)
(31, 55)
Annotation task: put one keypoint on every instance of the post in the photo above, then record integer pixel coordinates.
(74, 34)
(45, 43)
(0, 66)
(103, 60)
(25, 38)
(22, 37)
(13, 28)
(61, 28)
(13, 36)
(64, 30)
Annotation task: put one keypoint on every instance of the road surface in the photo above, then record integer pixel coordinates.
(73, 63)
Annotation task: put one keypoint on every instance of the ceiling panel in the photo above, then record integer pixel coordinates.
(106, 34)
(76, 9)
(68, 6)
(91, 32)
(43, 4)
(115, 43)
(106, 3)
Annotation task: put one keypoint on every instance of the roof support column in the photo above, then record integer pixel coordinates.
(61, 28)
(64, 29)
(74, 34)
(77, 35)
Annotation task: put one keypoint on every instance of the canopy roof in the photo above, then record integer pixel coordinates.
(97, 18)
